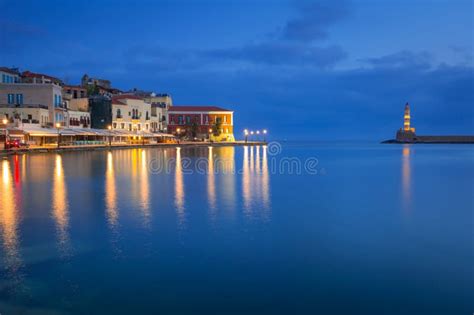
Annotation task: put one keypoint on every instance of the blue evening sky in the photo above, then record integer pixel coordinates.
(303, 69)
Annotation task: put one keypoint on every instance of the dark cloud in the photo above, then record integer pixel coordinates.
(314, 19)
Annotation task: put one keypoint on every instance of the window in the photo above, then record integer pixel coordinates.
(19, 98)
(11, 98)
(188, 119)
(57, 100)
(115, 125)
(119, 113)
(30, 117)
(180, 120)
(225, 119)
(123, 126)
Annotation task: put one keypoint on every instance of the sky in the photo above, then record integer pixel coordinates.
(309, 70)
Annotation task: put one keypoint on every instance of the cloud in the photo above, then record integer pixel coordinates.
(282, 54)
(402, 59)
(314, 19)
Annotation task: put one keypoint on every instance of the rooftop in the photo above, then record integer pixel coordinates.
(118, 99)
(10, 70)
(186, 108)
(29, 74)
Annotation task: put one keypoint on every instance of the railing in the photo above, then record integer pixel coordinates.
(23, 106)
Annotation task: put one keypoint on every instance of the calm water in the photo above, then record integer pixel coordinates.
(368, 229)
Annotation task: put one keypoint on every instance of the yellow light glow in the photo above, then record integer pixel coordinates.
(58, 125)
(144, 189)
(60, 206)
(179, 189)
(9, 221)
(5, 121)
(211, 185)
(265, 181)
(406, 178)
(246, 180)
(111, 192)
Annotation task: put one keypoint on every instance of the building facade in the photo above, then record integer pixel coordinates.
(201, 122)
(125, 112)
(25, 95)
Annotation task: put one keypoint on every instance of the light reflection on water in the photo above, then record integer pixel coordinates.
(60, 207)
(9, 221)
(179, 190)
(190, 232)
(406, 178)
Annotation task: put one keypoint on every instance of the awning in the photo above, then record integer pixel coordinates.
(37, 131)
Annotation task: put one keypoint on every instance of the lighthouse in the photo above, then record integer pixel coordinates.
(406, 119)
(406, 133)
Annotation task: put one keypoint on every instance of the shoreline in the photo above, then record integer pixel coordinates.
(5, 153)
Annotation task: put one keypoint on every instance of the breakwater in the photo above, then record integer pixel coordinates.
(432, 139)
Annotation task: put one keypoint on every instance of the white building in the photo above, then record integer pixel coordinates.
(132, 113)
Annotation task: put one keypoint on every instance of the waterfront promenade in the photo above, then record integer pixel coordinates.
(117, 146)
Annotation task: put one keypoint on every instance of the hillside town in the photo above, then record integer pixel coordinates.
(40, 110)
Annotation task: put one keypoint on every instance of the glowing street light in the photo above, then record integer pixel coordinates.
(58, 127)
(246, 133)
(5, 122)
(110, 135)
(264, 135)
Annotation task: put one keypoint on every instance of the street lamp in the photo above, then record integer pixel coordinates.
(210, 132)
(246, 133)
(110, 135)
(58, 126)
(264, 135)
(258, 132)
(5, 122)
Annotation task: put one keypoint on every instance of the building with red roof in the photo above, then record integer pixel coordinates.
(201, 122)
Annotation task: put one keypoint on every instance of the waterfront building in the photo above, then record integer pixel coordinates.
(9, 75)
(160, 104)
(126, 112)
(39, 92)
(201, 122)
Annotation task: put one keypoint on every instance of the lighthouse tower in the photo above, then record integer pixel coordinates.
(406, 119)
(407, 133)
